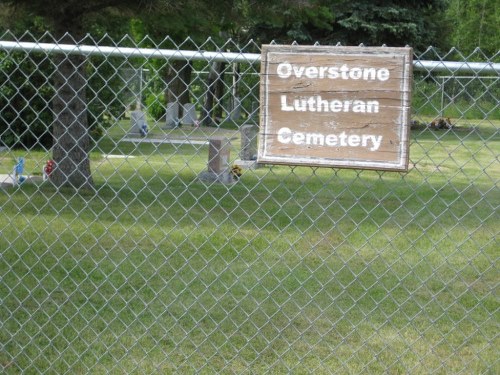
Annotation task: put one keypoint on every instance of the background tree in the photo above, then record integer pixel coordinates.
(24, 92)
(69, 21)
(372, 22)
(476, 23)
(190, 24)
(284, 21)
(394, 23)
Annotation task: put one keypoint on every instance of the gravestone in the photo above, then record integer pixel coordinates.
(236, 109)
(249, 142)
(189, 114)
(138, 123)
(172, 115)
(219, 169)
(248, 152)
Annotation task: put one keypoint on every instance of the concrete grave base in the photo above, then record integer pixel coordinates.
(224, 178)
(248, 164)
(8, 180)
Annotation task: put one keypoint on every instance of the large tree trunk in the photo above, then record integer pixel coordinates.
(178, 79)
(213, 94)
(70, 128)
(219, 93)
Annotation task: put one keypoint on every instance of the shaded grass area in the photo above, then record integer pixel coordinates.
(289, 270)
(467, 100)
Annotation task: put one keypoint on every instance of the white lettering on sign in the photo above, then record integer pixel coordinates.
(369, 141)
(287, 70)
(318, 104)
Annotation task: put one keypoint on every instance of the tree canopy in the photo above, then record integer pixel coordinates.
(476, 23)
(394, 23)
(69, 108)
(441, 23)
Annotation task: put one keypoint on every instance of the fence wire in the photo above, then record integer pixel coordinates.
(164, 266)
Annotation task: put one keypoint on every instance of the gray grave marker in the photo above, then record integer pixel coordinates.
(219, 169)
(236, 110)
(172, 115)
(249, 142)
(189, 114)
(248, 152)
(138, 123)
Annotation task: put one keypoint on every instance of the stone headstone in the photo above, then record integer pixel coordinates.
(188, 114)
(219, 169)
(138, 123)
(236, 110)
(172, 115)
(249, 142)
(248, 152)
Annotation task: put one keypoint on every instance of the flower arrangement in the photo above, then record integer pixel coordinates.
(236, 171)
(49, 167)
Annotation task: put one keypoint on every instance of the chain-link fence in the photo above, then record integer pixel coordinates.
(161, 267)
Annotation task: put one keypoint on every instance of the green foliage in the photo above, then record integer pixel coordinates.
(156, 105)
(289, 21)
(457, 98)
(24, 101)
(476, 23)
(415, 23)
(418, 24)
(106, 87)
(370, 22)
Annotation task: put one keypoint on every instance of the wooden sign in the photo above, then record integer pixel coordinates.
(335, 106)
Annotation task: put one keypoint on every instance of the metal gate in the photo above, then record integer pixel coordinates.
(274, 269)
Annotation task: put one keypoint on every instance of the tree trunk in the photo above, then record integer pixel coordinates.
(70, 127)
(207, 113)
(219, 93)
(178, 79)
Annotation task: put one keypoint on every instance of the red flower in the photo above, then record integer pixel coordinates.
(49, 167)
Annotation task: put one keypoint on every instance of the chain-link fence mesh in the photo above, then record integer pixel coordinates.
(161, 268)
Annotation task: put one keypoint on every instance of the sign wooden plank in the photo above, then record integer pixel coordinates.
(335, 106)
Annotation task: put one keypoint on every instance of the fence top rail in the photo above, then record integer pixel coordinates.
(419, 65)
(456, 66)
(130, 52)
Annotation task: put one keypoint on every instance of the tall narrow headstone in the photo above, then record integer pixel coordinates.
(189, 114)
(248, 151)
(236, 109)
(249, 142)
(219, 169)
(138, 123)
(172, 115)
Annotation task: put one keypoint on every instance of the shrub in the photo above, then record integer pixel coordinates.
(156, 105)
(25, 96)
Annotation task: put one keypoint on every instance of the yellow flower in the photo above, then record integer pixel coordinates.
(236, 171)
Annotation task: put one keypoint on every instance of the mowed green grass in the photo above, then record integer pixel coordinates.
(292, 269)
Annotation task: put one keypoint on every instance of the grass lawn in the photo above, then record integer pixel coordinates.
(292, 269)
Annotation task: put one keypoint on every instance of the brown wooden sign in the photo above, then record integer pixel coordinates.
(335, 106)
